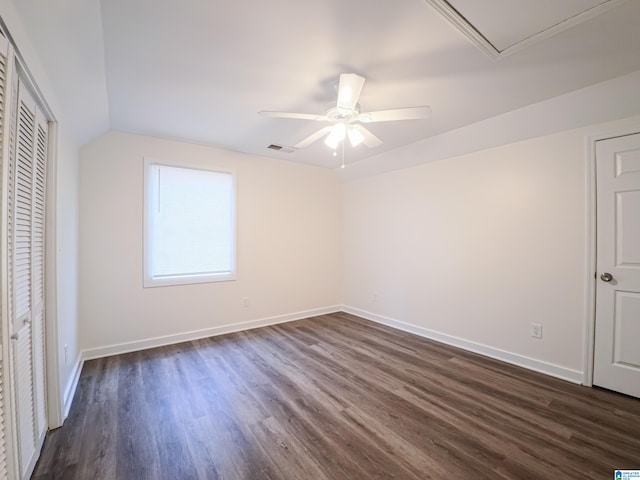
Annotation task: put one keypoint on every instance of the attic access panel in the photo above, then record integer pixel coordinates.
(501, 27)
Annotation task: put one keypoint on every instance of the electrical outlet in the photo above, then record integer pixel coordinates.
(245, 302)
(66, 353)
(375, 296)
(536, 330)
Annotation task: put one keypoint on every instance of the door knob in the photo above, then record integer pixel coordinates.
(606, 277)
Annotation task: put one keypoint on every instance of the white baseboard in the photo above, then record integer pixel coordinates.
(540, 366)
(70, 391)
(198, 334)
(557, 371)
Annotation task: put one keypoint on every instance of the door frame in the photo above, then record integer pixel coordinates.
(591, 246)
(55, 414)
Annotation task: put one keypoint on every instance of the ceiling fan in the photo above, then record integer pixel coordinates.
(346, 117)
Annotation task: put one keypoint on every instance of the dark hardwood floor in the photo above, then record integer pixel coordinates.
(334, 397)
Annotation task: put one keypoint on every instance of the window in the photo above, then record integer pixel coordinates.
(189, 224)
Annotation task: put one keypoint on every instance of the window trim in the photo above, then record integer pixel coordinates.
(148, 280)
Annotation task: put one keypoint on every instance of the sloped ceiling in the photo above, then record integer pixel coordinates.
(200, 70)
(67, 37)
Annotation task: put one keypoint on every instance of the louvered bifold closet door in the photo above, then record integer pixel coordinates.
(26, 281)
(6, 69)
(37, 279)
(20, 247)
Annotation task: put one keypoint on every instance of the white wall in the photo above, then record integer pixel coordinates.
(472, 249)
(66, 262)
(597, 104)
(65, 71)
(289, 244)
(478, 247)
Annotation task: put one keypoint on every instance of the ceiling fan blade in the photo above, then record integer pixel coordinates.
(410, 113)
(369, 139)
(313, 137)
(349, 91)
(298, 116)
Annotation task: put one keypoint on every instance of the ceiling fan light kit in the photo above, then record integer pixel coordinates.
(355, 136)
(337, 134)
(346, 117)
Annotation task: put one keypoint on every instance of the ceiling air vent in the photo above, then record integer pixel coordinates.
(281, 148)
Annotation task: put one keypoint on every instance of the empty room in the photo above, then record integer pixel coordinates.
(320, 240)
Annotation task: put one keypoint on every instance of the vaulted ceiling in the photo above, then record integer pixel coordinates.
(200, 70)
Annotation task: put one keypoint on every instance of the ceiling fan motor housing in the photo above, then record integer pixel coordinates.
(337, 114)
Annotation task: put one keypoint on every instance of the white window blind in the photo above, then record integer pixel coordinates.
(190, 224)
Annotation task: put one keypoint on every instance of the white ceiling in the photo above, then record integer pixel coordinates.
(200, 70)
(67, 39)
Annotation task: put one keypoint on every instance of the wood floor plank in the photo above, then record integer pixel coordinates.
(97, 459)
(329, 398)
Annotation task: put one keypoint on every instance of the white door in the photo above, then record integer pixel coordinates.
(617, 336)
(25, 173)
(7, 449)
